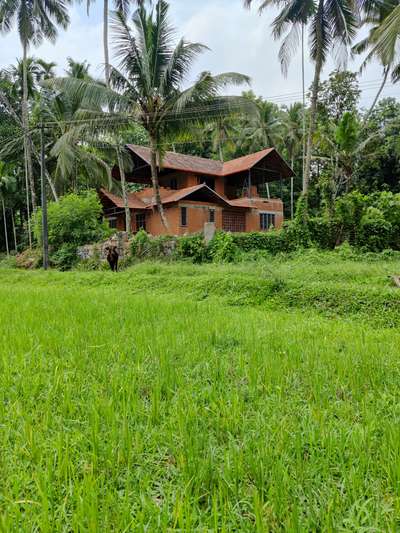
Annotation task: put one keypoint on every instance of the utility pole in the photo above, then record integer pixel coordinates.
(45, 229)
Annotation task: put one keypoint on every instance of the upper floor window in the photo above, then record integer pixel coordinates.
(173, 184)
(267, 221)
(183, 216)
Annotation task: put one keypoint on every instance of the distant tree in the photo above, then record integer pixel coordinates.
(148, 84)
(36, 20)
(332, 25)
(338, 95)
(76, 69)
(382, 43)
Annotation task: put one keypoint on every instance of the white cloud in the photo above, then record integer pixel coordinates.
(240, 40)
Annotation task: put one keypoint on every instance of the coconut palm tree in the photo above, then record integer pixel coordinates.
(331, 26)
(37, 71)
(123, 7)
(264, 128)
(77, 69)
(36, 20)
(375, 16)
(147, 86)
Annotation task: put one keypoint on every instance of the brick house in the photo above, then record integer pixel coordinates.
(195, 190)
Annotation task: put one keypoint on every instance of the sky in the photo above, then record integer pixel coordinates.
(239, 40)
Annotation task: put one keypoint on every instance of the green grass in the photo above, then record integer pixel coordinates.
(198, 398)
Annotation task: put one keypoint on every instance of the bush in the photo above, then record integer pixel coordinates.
(222, 248)
(375, 231)
(145, 246)
(192, 247)
(65, 257)
(73, 221)
(323, 232)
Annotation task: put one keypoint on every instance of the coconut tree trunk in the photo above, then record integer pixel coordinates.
(14, 231)
(105, 43)
(384, 80)
(313, 109)
(304, 99)
(5, 226)
(25, 126)
(155, 183)
(124, 192)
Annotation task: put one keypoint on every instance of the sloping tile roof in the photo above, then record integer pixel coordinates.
(144, 199)
(244, 163)
(180, 194)
(182, 162)
(201, 165)
(133, 201)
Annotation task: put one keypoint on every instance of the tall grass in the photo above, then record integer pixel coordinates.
(127, 411)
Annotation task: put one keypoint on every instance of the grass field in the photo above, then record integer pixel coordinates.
(254, 397)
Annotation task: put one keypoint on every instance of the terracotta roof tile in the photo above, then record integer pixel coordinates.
(176, 196)
(182, 162)
(245, 162)
(133, 201)
(201, 165)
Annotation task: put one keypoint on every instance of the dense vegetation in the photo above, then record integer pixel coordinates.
(333, 145)
(222, 398)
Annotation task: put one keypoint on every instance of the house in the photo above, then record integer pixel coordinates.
(195, 190)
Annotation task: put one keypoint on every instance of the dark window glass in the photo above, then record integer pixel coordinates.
(112, 222)
(212, 215)
(210, 182)
(183, 216)
(140, 221)
(267, 220)
(173, 183)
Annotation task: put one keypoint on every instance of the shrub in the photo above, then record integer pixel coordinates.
(222, 248)
(323, 232)
(375, 231)
(65, 257)
(73, 221)
(146, 246)
(192, 247)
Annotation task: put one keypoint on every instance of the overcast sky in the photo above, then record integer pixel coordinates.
(240, 40)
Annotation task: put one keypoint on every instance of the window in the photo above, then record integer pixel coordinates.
(140, 222)
(173, 184)
(183, 216)
(112, 222)
(267, 220)
(212, 215)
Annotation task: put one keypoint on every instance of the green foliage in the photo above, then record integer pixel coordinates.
(73, 221)
(193, 369)
(222, 248)
(64, 257)
(375, 231)
(192, 247)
